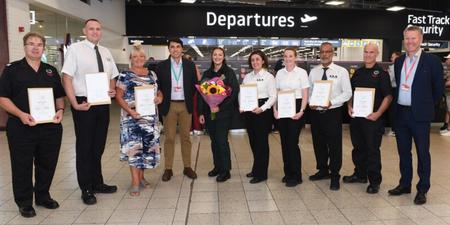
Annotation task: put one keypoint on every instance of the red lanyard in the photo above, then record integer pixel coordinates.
(410, 70)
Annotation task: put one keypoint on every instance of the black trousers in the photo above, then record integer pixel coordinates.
(326, 130)
(391, 110)
(366, 138)
(258, 128)
(91, 129)
(27, 145)
(289, 134)
(218, 132)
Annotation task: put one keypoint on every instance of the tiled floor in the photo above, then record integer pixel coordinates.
(204, 201)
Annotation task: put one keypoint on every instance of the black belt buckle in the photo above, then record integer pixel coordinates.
(322, 111)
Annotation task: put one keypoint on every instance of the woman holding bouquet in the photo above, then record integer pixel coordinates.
(140, 143)
(259, 121)
(218, 119)
(292, 78)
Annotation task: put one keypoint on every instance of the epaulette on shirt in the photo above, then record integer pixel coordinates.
(12, 63)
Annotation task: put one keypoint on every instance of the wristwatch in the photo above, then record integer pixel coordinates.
(302, 110)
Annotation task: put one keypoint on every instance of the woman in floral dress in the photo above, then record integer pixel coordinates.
(140, 143)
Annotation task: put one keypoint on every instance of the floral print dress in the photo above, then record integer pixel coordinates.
(140, 142)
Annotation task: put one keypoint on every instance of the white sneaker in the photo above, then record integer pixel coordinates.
(446, 133)
(198, 132)
(443, 131)
(391, 133)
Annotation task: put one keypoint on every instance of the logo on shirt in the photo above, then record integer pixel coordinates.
(108, 59)
(333, 76)
(49, 72)
(375, 73)
(260, 79)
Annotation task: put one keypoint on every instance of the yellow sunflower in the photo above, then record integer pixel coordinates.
(212, 90)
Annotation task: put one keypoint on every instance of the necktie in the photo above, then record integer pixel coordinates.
(324, 76)
(99, 60)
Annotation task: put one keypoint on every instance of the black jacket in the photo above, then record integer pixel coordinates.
(164, 74)
(230, 103)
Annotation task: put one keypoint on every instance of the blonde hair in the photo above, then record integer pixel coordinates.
(137, 48)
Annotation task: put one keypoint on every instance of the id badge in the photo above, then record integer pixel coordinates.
(177, 89)
(405, 87)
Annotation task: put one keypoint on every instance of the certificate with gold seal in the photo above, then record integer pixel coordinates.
(144, 100)
(97, 87)
(42, 104)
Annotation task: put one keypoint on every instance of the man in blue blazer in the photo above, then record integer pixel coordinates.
(177, 78)
(420, 84)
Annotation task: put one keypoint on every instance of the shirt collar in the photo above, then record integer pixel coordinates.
(90, 44)
(175, 62)
(415, 55)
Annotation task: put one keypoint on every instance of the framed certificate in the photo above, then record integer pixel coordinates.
(144, 100)
(97, 87)
(321, 93)
(286, 104)
(363, 99)
(42, 104)
(248, 100)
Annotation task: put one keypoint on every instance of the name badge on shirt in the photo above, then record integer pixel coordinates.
(405, 87)
(177, 89)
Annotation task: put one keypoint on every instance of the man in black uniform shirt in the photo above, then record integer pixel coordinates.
(28, 141)
(366, 132)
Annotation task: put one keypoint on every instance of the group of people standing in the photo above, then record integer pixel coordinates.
(418, 78)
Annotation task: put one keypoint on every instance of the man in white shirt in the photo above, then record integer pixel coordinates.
(90, 122)
(326, 121)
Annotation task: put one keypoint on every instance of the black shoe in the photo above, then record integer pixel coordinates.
(88, 197)
(223, 177)
(103, 188)
(49, 204)
(354, 179)
(400, 190)
(256, 180)
(319, 176)
(335, 185)
(293, 182)
(214, 172)
(421, 198)
(373, 188)
(250, 174)
(27, 211)
(445, 126)
(285, 179)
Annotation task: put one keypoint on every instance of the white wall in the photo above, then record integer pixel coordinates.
(110, 13)
(17, 14)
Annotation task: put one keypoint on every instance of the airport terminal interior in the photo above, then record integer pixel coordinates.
(203, 201)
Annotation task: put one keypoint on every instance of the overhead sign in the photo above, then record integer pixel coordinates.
(292, 22)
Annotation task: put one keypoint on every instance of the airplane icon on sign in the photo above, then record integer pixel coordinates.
(308, 18)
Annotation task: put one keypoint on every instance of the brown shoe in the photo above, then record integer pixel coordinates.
(167, 175)
(189, 172)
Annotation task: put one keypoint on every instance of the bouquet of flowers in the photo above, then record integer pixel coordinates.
(214, 92)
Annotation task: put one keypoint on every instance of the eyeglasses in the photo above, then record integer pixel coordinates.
(325, 52)
(31, 44)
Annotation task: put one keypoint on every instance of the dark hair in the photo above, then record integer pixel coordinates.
(176, 40)
(87, 21)
(396, 53)
(263, 57)
(33, 34)
(224, 58)
(290, 49)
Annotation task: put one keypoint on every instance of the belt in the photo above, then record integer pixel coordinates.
(405, 106)
(178, 101)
